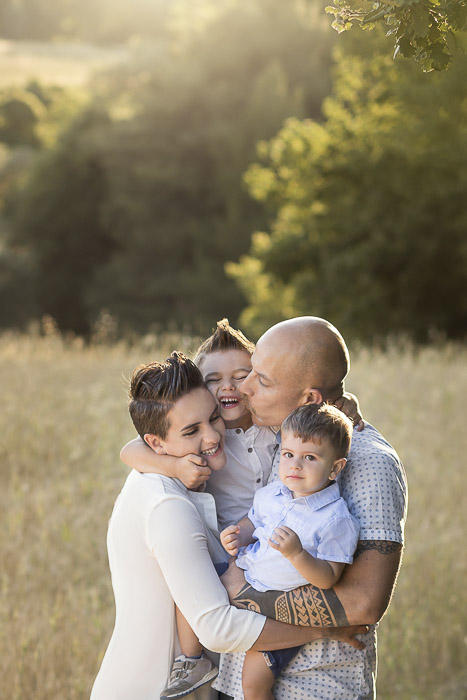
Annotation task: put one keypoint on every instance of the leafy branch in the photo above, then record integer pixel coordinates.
(427, 31)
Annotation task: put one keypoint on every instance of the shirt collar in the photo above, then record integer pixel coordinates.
(315, 501)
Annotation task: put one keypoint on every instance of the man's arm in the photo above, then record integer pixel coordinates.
(361, 596)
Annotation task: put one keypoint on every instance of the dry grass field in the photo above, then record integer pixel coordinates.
(63, 421)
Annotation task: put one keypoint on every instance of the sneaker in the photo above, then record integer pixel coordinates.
(189, 674)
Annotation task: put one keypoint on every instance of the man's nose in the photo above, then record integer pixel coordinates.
(246, 386)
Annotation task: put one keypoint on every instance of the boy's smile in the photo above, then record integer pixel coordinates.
(224, 372)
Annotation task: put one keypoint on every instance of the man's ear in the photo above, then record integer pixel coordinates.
(155, 443)
(339, 464)
(310, 395)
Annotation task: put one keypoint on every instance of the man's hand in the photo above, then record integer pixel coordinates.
(192, 471)
(347, 634)
(230, 539)
(348, 404)
(286, 541)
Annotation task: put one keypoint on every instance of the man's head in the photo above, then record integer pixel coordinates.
(299, 361)
(173, 411)
(315, 442)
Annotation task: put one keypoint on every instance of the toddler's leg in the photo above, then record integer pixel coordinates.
(192, 669)
(257, 678)
(189, 642)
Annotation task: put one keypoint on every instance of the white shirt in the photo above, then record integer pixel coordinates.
(249, 459)
(374, 486)
(159, 553)
(322, 522)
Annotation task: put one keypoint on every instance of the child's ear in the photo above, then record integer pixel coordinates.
(155, 443)
(339, 464)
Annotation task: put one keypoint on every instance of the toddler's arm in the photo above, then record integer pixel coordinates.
(236, 536)
(318, 572)
(191, 469)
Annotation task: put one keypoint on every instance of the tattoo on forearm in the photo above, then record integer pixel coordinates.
(306, 606)
(381, 546)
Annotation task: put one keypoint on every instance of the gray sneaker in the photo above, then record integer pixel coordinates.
(189, 674)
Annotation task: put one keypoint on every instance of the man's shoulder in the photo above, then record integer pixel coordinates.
(371, 442)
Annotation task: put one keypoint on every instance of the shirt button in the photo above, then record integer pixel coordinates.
(250, 449)
(258, 481)
(238, 431)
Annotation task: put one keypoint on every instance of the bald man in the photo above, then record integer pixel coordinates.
(299, 361)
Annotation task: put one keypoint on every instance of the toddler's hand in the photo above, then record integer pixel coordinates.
(286, 541)
(348, 404)
(230, 539)
(192, 471)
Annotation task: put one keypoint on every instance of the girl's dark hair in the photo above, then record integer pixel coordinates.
(223, 338)
(323, 422)
(155, 387)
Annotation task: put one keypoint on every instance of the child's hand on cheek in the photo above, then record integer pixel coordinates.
(286, 541)
(192, 471)
(230, 539)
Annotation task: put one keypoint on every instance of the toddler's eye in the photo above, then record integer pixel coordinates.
(287, 455)
(211, 381)
(310, 458)
(215, 417)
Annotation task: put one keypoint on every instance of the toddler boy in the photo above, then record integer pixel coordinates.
(299, 529)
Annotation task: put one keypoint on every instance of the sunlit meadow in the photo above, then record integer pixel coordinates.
(63, 420)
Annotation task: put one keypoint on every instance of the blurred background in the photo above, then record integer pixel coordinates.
(166, 163)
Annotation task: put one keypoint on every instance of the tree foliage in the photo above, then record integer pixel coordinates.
(429, 31)
(367, 210)
(157, 203)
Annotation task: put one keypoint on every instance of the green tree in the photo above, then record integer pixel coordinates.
(429, 31)
(158, 185)
(58, 220)
(367, 210)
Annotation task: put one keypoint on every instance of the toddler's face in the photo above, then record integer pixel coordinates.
(224, 372)
(307, 467)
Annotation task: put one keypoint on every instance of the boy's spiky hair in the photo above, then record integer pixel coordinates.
(224, 337)
(154, 389)
(325, 422)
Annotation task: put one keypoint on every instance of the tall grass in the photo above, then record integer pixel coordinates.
(63, 421)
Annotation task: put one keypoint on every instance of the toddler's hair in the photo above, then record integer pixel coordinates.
(223, 338)
(325, 422)
(154, 389)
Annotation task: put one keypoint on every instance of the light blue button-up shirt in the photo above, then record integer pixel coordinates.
(322, 522)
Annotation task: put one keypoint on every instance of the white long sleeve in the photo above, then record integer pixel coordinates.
(158, 554)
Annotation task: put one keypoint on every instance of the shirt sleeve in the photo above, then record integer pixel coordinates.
(338, 540)
(375, 489)
(177, 539)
